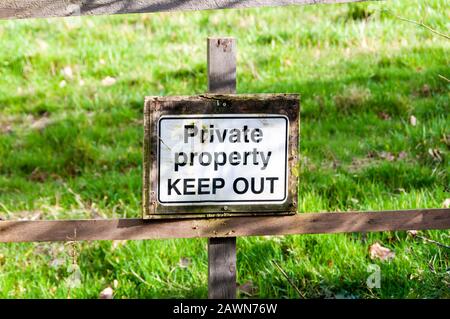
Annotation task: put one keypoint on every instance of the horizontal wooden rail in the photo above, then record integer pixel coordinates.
(20, 9)
(305, 223)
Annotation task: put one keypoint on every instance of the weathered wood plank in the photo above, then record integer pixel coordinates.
(20, 9)
(305, 223)
(222, 268)
(221, 65)
(221, 59)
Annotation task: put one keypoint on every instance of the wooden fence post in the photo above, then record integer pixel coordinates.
(221, 251)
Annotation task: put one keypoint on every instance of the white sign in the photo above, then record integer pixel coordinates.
(222, 159)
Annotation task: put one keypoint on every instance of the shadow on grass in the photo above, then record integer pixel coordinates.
(74, 149)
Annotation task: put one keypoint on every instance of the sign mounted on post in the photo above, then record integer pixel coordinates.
(220, 155)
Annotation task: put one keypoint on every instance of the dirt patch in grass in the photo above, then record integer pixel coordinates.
(352, 99)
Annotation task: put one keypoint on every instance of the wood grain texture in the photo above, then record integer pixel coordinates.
(221, 59)
(222, 268)
(305, 223)
(221, 65)
(20, 9)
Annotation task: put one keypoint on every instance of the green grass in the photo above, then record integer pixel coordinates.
(72, 148)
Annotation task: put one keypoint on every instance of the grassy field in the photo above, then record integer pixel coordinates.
(375, 135)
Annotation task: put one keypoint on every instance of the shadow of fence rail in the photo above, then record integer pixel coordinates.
(21, 9)
(305, 223)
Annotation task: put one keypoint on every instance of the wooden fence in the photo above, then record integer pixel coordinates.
(305, 223)
(221, 231)
(20, 9)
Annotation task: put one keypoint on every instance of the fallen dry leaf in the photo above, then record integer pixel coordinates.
(426, 90)
(106, 293)
(38, 176)
(380, 252)
(435, 154)
(184, 262)
(412, 120)
(446, 139)
(108, 81)
(412, 233)
(446, 203)
(5, 129)
(384, 116)
(40, 123)
(248, 288)
(402, 155)
(118, 243)
(371, 154)
(387, 156)
(67, 72)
